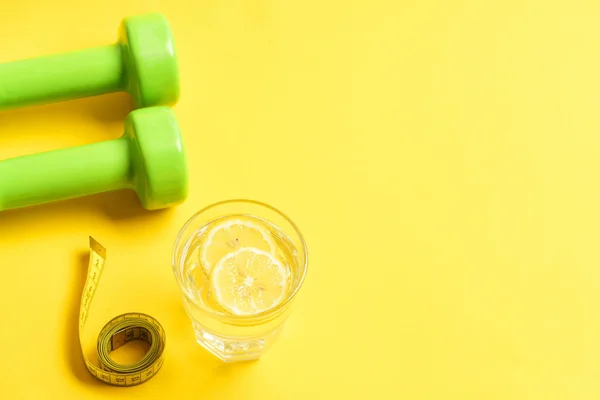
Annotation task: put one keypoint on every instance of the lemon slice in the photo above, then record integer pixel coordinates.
(249, 281)
(231, 234)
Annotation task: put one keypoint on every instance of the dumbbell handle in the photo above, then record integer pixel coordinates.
(51, 78)
(65, 173)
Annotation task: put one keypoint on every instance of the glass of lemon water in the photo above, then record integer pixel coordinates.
(239, 264)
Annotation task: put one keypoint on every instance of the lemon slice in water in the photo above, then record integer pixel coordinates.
(231, 234)
(249, 281)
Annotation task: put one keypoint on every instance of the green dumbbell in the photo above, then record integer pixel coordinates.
(148, 158)
(143, 63)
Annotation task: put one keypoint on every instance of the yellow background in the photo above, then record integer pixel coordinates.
(441, 157)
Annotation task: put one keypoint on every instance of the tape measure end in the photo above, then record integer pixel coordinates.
(97, 247)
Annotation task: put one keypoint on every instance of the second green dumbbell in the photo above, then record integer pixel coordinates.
(149, 158)
(143, 63)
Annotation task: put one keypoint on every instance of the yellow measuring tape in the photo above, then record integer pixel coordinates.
(117, 332)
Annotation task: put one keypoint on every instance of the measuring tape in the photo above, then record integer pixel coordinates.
(117, 332)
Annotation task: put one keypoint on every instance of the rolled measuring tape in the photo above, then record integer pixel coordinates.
(117, 332)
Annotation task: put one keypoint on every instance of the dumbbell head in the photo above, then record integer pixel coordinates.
(150, 60)
(158, 160)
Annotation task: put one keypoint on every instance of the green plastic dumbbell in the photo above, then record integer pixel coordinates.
(148, 158)
(143, 63)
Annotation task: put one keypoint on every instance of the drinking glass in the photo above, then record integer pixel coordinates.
(226, 334)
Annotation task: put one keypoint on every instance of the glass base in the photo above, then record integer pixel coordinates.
(234, 349)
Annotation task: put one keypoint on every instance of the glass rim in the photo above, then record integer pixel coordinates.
(241, 318)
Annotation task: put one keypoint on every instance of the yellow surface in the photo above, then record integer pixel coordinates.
(441, 157)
